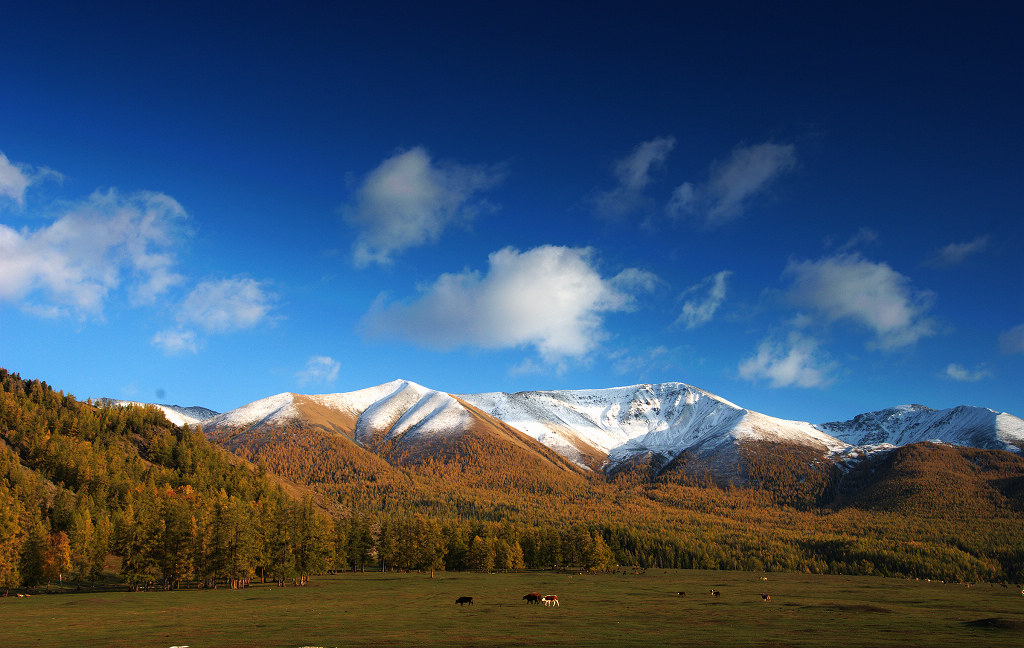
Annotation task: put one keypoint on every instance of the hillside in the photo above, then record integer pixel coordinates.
(665, 475)
(83, 483)
(410, 492)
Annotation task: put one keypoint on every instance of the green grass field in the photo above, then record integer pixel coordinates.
(376, 609)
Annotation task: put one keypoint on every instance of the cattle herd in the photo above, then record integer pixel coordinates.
(551, 600)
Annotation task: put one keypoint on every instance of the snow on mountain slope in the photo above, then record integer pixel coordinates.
(176, 414)
(386, 412)
(273, 410)
(976, 427)
(600, 429)
(411, 411)
(614, 425)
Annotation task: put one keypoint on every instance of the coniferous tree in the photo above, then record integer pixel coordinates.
(481, 554)
(10, 540)
(58, 557)
(33, 553)
(312, 541)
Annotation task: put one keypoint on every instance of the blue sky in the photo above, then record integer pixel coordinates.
(811, 211)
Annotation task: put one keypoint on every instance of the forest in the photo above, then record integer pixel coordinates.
(90, 493)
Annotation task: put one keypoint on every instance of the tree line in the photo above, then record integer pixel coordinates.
(86, 490)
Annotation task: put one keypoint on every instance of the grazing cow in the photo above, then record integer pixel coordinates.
(550, 599)
(715, 592)
(766, 597)
(764, 578)
(532, 597)
(681, 593)
(462, 600)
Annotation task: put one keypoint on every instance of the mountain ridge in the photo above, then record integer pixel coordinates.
(603, 430)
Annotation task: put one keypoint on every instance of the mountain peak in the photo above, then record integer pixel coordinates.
(600, 429)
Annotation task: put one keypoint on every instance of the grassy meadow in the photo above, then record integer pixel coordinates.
(620, 609)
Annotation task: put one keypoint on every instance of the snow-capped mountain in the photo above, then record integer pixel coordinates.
(397, 419)
(176, 414)
(606, 427)
(389, 412)
(603, 429)
(975, 427)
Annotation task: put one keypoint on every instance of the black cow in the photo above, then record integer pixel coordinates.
(532, 597)
(462, 600)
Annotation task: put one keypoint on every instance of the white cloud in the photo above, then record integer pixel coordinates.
(848, 286)
(227, 304)
(1012, 341)
(13, 181)
(549, 297)
(73, 264)
(957, 253)
(634, 174)
(409, 200)
(700, 310)
(960, 373)
(174, 342)
(796, 362)
(319, 369)
(731, 184)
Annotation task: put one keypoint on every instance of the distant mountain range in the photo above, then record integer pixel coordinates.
(657, 425)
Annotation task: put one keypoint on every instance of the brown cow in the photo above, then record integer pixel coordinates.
(532, 597)
(766, 597)
(550, 599)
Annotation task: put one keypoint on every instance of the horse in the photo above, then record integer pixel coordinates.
(462, 600)
(550, 599)
(532, 597)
